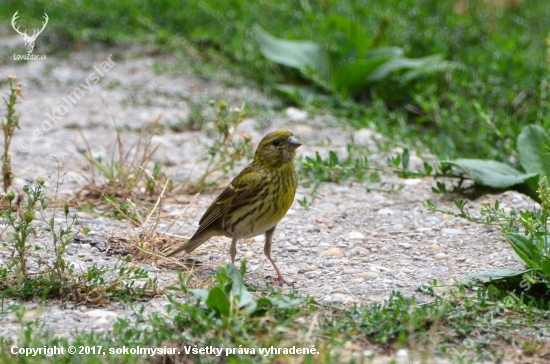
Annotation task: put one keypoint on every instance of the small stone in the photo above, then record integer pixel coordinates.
(87, 247)
(291, 248)
(359, 251)
(77, 268)
(101, 313)
(70, 250)
(249, 254)
(149, 268)
(332, 252)
(259, 238)
(351, 271)
(368, 275)
(385, 211)
(460, 259)
(94, 250)
(312, 274)
(405, 245)
(340, 297)
(356, 235)
(29, 315)
(293, 241)
(310, 268)
(434, 247)
(432, 219)
(412, 181)
(453, 232)
(440, 256)
(295, 114)
(402, 353)
(384, 250)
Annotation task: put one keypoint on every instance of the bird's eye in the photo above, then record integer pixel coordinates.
(276, 142)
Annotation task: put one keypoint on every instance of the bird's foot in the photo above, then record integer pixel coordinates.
(280, 281)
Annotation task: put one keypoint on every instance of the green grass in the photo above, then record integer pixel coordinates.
(463, 327)
(473, 112)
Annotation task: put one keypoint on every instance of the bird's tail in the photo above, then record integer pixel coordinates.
(193, 243)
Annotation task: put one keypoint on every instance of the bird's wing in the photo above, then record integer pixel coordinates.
(242, 186)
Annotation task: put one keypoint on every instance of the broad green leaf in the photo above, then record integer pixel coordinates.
(385, 52)
(349, 78)
(490, 173)
(292, 53)
(400, 63)
(300, 94)
(355, 35)
(238, 288)
(533, 153)
(495, 275)
(201, 294)
(526, 249)
(435, 64)
(218, 301)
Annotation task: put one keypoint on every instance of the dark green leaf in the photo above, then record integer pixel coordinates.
(218, 301)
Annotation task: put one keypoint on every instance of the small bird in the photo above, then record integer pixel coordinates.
(256, 200)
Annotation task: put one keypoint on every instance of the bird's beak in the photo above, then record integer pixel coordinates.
(294, 143)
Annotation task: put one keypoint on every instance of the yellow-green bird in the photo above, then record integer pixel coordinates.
(256, 200)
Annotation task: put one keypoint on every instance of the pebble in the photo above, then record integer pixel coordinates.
(412, 181)
(295, 114)
(70, 250)
(312, 274)
(359, 251)
(29, 315)
(405, 245)
(368, 275)
(441, 256)
(385, 211)
(432, 219)
(332, 252)
(356, 235)
(149, 268)
(434, 247)
(384, 250)
(291, 248)
(77, 268)
(249, 254)
(351, 271)
(402, 353)
(293, 241)
(452, 232)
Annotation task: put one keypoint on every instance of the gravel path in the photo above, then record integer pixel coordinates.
(349, 246)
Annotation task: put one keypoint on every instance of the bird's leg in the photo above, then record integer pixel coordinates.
(233, 249)
(267, 251)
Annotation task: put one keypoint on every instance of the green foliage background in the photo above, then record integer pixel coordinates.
(476, 111)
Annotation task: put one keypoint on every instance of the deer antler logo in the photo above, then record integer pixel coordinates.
(29, 40)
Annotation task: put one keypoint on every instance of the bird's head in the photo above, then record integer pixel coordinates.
(276, 149)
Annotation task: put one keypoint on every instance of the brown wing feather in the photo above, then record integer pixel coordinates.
(238, 190)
